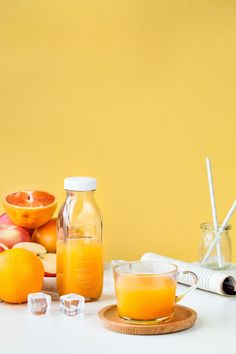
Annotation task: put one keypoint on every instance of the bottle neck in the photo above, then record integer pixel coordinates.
(85, 195)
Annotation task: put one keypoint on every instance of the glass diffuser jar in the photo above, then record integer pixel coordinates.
(220, 257)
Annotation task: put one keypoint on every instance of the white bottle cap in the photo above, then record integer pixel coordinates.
(80, 184)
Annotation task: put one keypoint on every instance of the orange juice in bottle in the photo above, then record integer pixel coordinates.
(79, 244)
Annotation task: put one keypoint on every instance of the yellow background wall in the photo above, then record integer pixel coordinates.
(135, 93)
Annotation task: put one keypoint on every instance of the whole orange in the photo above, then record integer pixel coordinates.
(46, 235)
(21, 273)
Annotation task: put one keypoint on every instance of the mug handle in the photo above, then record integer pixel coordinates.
(116, 262)
(193, 287)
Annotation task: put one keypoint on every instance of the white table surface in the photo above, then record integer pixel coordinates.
(214, 332)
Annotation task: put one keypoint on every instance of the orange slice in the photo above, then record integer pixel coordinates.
(30, 208)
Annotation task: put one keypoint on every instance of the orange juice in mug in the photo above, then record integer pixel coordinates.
(146, 291)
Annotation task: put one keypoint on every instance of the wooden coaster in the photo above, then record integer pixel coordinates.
(183, 318)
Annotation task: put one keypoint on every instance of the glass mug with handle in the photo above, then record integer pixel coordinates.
(146, 290)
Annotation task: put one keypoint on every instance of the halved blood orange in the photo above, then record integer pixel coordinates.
(30, 208)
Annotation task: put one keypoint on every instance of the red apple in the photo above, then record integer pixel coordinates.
(4, 219)
(48, 259)
(49, 263)
(11, 234)
(3, 247)
(33, 247)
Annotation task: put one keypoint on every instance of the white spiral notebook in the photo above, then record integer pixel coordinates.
(222, 282)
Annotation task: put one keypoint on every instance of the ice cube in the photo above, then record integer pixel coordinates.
(39, 303)
(72, 304)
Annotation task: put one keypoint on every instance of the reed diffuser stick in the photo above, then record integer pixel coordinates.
(213, 210)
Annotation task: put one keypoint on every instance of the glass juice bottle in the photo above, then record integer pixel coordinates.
(79, 244)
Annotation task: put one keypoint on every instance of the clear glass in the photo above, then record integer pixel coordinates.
(72, 304)
(79, 246)
(39, 304)
(146, 291)
(220, 257)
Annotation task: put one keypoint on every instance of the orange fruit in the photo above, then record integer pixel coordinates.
(21, 273)
(46, 235)
(30, 208)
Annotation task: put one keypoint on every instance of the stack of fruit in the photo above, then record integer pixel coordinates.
(27, 243)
